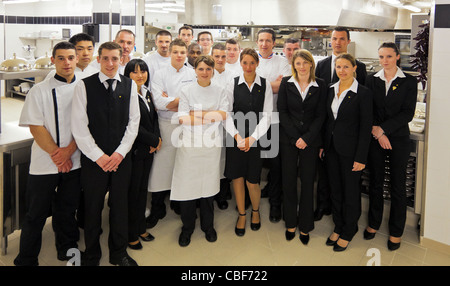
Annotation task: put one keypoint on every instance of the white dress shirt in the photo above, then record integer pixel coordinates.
(305, 92)
(264, 122)
(80, 121)
(170, 81)
(338, 100)
(380, 74)
(39, 110)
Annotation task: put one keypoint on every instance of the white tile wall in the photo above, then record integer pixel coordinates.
(437, 197)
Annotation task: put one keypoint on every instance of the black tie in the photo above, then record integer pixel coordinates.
(110, 85)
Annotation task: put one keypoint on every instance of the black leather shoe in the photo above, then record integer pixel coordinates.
(151, 221)
(149, 237)
(184, 239)
(319, 213)
(304, 238)
(338, 248)
(136, 246)
(211, 235)
(64, 257)
(275, 214)
(393, 245)
(330, 242)
(125, 260)
(289, 235)
(368, 235)
(255, 226)
(239, 231)
(223, 205)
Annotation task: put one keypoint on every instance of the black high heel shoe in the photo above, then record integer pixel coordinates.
(331, 242)
(338, 248)
(368, 235)
(239, 231)
(255, 226)
(393, 245)
(304, 238)
(149, 237)
(289, 235)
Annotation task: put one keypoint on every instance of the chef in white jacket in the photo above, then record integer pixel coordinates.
(196, 175)
(166, 86)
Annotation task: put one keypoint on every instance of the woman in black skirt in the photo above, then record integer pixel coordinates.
(395, 96)
(251, 104)
(147, 142)
(302, 110)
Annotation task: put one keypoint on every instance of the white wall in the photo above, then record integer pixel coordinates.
(367, 43)
(437, 190)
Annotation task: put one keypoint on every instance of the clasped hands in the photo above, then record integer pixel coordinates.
(61, 157)
(244, 144)
(109, 163)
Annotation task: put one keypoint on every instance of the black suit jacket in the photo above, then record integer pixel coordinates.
(323, 71)
(351, 131)
(149, 133)
(393, 111)
(301, 118)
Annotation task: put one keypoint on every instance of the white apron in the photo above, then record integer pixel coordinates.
(160, 178)
(197, 169)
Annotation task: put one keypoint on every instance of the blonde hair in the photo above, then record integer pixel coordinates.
(307, 56)
(349, 58)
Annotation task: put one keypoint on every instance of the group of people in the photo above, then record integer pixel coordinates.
(193, 120)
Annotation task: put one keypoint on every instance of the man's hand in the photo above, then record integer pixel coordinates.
(114, 161)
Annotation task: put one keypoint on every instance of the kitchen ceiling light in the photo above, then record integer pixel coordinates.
(412, 8)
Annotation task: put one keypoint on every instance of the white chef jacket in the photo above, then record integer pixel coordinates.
(235, 68)
(170, 81)
(271, 69)
(223, 78)
(338, 100)
(155, 62)
(264, 122)
(80, 121)
(79, 73)
(39, 110)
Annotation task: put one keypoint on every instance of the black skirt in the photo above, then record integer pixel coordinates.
(244, 164)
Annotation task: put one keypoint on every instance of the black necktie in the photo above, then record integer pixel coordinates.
(110, 85)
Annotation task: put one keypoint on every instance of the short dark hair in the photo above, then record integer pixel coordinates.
(177, 42)
(342, 29)
(110, 46)
(218, 46)
(232, 41)
(207, 59)
(393, 46)
(133, 64)
(250, 52)
(63, 46)
(269, 31)
(163, 33)
(81, 37)
(291, 41)
(186, 27)
(204, 32)
(193, 45)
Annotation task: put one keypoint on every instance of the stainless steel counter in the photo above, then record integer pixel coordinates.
(24, 74)
(15, 151)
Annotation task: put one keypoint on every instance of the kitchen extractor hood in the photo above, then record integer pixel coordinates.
(366, 14)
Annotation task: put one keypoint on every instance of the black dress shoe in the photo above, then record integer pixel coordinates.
(319, 213)
(275, 214)
(255, 226)
(338, 248)
(125, 260)
(184, 239)
(330, 242)
(149, 237)
(304, 238)
(223, 205)
(136, 246)
(211, 235)
(289, 235)
(64, 257)
(239, 231)
(151, 221)
(368, 235)
(393, 245)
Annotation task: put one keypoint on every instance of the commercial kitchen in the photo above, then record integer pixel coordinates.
(29, 29)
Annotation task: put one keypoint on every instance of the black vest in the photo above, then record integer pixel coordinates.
(108, 114)
(248, 104)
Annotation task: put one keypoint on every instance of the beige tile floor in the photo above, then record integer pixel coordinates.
(266, 247)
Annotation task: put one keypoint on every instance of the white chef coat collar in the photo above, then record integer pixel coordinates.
(104, 77)
(175, 70)
(353, 87)
(242, 79)
(399, 73)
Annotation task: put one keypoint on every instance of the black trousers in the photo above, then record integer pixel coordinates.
(188, 213)
(96, 183)
(57, 194)
(274, 180)
(137, 196)
(323, 187)
(398, 161)
(158, 206)
(294, 161)
(345, 193)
